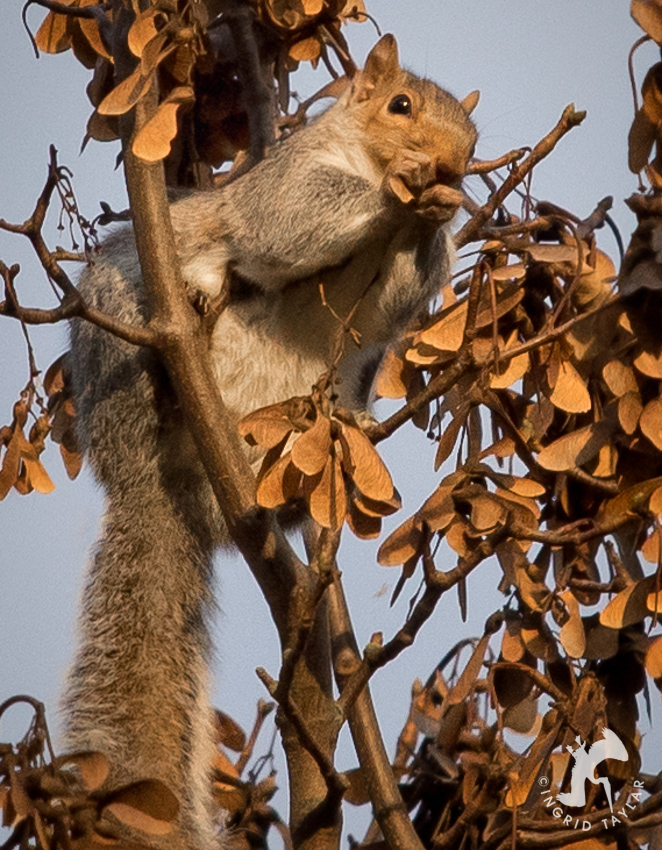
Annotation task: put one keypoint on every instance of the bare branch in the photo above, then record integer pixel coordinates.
(389, 808)
(336, 782)
(471, 230)
(484, 166)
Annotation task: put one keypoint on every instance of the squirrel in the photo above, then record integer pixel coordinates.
(360, 200)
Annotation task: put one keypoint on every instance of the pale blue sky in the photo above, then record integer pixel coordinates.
(529, 59)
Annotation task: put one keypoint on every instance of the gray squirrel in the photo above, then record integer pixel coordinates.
(360, 200)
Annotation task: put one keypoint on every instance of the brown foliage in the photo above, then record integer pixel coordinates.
(59, 802)
(51, 802)
(200, 94)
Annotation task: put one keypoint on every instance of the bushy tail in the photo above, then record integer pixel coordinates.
(138, 688)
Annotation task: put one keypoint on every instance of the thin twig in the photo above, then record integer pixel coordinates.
(569, 119)
(336, 783)
(484, 166)
(436, 584)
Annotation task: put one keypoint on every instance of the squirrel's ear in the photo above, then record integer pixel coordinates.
(470, 102)
(381, 67)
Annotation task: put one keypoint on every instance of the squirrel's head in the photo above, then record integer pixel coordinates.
(398, 110)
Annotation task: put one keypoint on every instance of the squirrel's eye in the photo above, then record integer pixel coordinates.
(400, 105)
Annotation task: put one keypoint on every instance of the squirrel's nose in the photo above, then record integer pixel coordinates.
(447, 174)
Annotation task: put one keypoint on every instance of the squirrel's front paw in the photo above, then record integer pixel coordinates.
(439, 203)
(408, 175)
(411, 177)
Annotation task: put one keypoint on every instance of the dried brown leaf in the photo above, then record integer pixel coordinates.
(148, 805)
(455, 535)
(654, 598)
(310, 451)
(651, 548)
(36, 474)
(375, 508)
(438, 510)
(92, 766)
(515, 369)
(143, 30)
(572, 635)
(450, 435)
(503, 448)
(53, 35)
(285, 13)
(393, 376)
(367, 526)
(11, 463)
(513, 684)
(630, 500)
(512, 646)
(80, 44)
(649, 363)
(402, 544)
(525, 510)
(266, 427)
(278, 483)
(654, 659)
(528, 766)
(601, 641)
(650, 422)
(570, 392)
(574, 449)
(125, 96)
(154, 140)
(607, 460)
(533, 593)
(101, 128)
(553, 253)
(595, 285)
(627, 607)
(514, 271)
(539, 644)
(523, 717)
(512, 560)
(467, 681)
(365, 466)
(354, 9)
(306, 50)
(138, 820)
(326, 495)
(20, 799)
(526, 487)
(649, 17)
(447, 333)
(619, 378)
(229, 732)
(90, 29)
(641, 139)
(508, 298)
(223, 767)
(630, 407)
(487, 513)
(233, 800)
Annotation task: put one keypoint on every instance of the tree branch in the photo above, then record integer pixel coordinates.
(471, 230)
(389, 808)
(436, 584)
